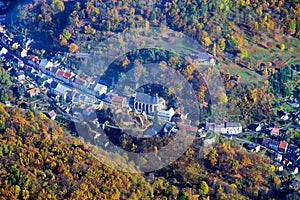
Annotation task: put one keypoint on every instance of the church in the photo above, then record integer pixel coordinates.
(148, 103)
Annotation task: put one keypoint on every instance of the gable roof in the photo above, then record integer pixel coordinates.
(283, 145)
(275, 130)
(99, 87)
(52, 113)
(33, 91)
(147, 98)
(233, 124)
(117, 99)
(67, 75)
(60, 72)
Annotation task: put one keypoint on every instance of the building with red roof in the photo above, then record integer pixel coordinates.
(67, 75)
(60, 72)
(282, 146)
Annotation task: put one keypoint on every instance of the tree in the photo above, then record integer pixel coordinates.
(73, 47)
(222, 44)
(282, 47)
(212, 157)
(203, 189)
(152, 16)
(223, 98)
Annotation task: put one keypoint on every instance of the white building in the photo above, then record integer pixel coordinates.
(225, 128)
(166, 115)
(100, 89)
(45, 64)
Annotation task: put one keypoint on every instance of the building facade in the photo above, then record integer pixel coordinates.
(148, 103)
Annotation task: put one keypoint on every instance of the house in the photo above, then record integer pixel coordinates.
(100, 89)
(33, 92)
(279, 166)
(166, 115)
(292, 149)
(231, 128)
(282, 147)
(148, 103)
(278, 157)
(118, 101)
(60, 73)
(51, 115)
(225, 128)
(98, 105)
(20, 76)
(45, 64)
(21, 51)
(88, 111)
(43, 80)
(273, 144)
(293, 169)
(253, 147)
(295, 157)
(168, 129)
(275, 131)
(203, 57)
(33, 61)
(152, 131)
(258, 128)
(61, 90)
(3, 51)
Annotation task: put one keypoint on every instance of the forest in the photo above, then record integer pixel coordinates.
(40, 161)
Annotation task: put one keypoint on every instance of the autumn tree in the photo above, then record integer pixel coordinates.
(73, 48)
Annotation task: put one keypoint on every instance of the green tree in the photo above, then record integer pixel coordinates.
(203, 189)
(222, 44)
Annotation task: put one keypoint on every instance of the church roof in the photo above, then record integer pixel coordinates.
(147, 98)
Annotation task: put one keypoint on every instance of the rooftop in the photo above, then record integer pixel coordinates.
(147, 98)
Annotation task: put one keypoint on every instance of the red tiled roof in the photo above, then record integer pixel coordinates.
(275, 130)
(67, 75)
(60, 72)
(33, 91)
(52, 113)
(189, 128)
(89, 109)
(283, 145)
(33, 58)
(117, 99)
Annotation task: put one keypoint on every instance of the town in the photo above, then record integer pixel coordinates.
(52, 87)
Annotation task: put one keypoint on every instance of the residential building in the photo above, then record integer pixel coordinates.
(21, 51)
(118, 101)
(166, 115)
(98, 105)
(275, 131)
(51, 114)
(33, 92)
(100, 89)
(225, 128)
(61, 90)
(45, 64)
(152, 131)
(282, 147)
(273, 144)
(293, 169)
(3, 51)
(20, 76)
(148, 103)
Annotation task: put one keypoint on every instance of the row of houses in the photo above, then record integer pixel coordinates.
(9, 43)
(280, 146)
